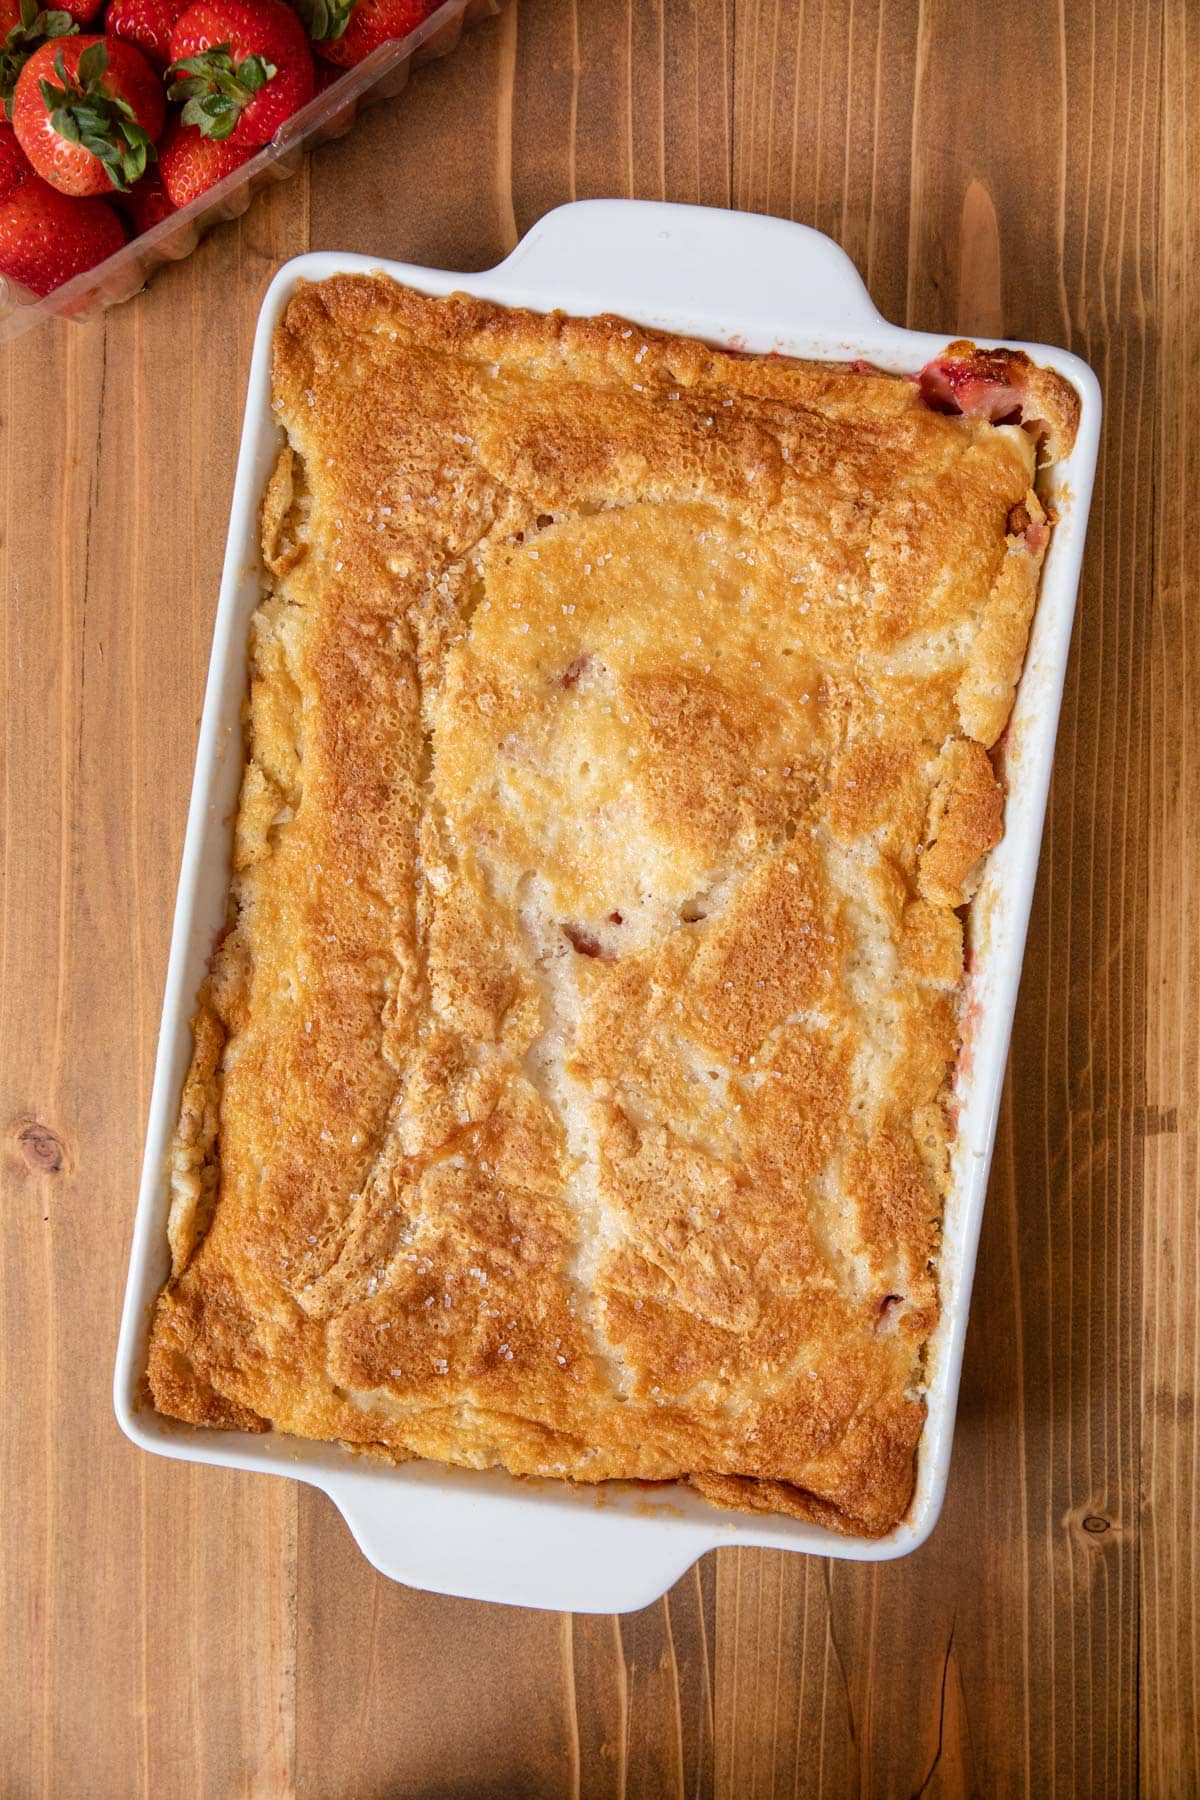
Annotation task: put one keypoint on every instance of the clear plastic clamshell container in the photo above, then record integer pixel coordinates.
(328, 115)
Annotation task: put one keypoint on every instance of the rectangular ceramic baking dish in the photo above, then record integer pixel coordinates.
(765, 285)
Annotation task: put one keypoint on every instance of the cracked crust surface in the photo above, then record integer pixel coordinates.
(569, 1091)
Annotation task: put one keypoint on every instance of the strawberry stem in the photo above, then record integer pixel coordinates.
(32, 28)
(84, 111)
(215, 90)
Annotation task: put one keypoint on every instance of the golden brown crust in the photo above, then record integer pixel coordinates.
(570, 1090)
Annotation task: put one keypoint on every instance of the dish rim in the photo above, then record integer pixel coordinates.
(748, 282)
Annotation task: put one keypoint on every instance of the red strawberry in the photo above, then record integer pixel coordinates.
(244, 66)
(45, 237)
(14, 164)
(75, 12)
(146, 23)
(189, 162)
(345, 31)
(149, 203)
(93, 129)
(22, 29)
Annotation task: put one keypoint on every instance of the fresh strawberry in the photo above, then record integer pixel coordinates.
(189, 162)
(242, 68)
(14, 164)
(345, 31)
(146, 23)
(149, 203)
(46, 237)
(94, 128)
(22, 29)
(75, 12)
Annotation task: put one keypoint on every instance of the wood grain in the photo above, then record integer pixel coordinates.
(1169, 1342)
(168, 1631)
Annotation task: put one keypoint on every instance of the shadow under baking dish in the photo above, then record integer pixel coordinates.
(771, 286)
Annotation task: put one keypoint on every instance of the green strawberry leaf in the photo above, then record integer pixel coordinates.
(204, 62)
(83, 111)
(134, 162)
(252, 73)
(325, 20)
(64, 122)
(214, 114)
(214, 90)
(209, 118)
(33, 28)
(92, 64)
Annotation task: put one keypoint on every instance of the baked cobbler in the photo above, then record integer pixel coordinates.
(571, 1087)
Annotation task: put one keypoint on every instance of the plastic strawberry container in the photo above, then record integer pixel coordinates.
(329, 115)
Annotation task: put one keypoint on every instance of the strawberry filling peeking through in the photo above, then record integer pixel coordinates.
(1035, 532)
(979, 387)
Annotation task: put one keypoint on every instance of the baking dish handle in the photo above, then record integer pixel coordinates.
(480, 1537)
(613, 253)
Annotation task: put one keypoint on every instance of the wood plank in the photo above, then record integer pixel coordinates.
(1170, 1377)
(621, 99)
(424, 177)
(46, 1219)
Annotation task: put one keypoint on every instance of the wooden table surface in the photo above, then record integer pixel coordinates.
(172, 1631)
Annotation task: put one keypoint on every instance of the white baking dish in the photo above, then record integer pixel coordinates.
(768, 285)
